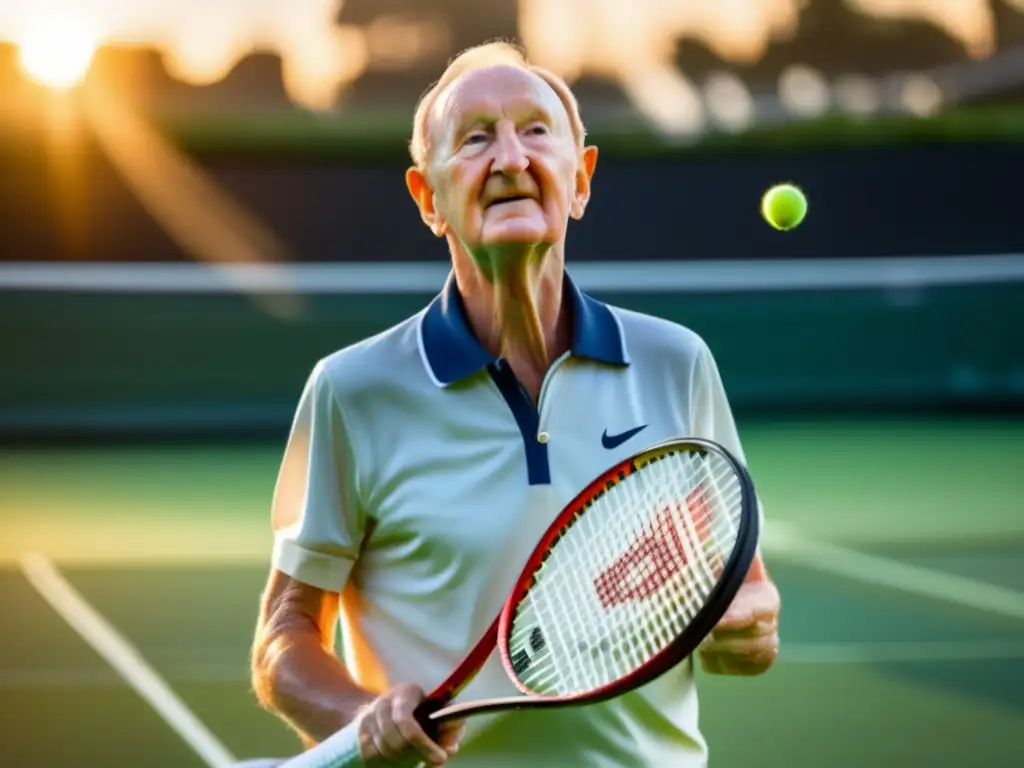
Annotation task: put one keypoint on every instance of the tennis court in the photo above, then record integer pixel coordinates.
(903, 636)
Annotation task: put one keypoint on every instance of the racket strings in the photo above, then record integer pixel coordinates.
(639, 496)
(686, 587)
(627, 578)
(652, 636)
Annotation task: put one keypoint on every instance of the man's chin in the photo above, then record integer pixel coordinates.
(515, 234)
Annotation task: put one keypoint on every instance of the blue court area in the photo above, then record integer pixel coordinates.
(898, 548)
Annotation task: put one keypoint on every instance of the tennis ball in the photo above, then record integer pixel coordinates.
(784, 206)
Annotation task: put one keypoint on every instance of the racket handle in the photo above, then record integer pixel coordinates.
(422, 713)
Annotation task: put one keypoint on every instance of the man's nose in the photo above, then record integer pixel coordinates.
(510, 156)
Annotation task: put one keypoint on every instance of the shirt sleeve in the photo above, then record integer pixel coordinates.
(712, 415)
(318, 526)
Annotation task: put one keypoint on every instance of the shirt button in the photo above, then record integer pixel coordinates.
(543, 437)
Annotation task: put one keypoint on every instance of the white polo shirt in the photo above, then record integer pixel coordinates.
(418, 477)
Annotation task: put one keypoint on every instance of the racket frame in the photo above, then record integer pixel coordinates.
(436, 708)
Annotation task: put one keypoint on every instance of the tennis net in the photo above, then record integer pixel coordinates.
(187, 346)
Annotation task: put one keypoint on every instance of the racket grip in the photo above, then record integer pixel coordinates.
(422, 713)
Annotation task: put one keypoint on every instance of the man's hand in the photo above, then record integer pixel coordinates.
(746, 640)
(389, 734)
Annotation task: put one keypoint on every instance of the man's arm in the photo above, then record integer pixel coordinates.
(297, 676)
(295, 672)
(319, 529)
(746, 640)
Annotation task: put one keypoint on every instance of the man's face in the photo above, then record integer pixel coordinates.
(505, 170)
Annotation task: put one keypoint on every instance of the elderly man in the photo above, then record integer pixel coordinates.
(423, 463)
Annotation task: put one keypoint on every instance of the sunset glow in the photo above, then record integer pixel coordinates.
(56, 50)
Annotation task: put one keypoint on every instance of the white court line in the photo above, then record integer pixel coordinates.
(863, 653)
(123, 657)
(785, 541)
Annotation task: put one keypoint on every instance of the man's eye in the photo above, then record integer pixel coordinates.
(537, 130)
(475, 138)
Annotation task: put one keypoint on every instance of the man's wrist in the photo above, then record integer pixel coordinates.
(328, 718)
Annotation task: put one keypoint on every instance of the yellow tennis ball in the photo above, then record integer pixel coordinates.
(784, 206)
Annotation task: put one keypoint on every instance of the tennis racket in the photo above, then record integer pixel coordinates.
(626, 583)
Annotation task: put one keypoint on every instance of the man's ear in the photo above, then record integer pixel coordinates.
(588, 162)
(423, 196)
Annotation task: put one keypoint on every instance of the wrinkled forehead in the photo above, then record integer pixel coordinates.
(494, 93)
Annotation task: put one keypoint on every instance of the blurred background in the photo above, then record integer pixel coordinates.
(198, 200)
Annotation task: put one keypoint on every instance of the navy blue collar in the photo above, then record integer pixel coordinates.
(453, 353)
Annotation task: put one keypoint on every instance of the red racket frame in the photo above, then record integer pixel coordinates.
(436, 709)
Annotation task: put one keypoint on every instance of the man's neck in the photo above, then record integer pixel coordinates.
(518, 313)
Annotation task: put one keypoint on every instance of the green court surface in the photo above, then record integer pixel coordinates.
(919, 662)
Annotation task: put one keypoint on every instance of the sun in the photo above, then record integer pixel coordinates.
(57, 51)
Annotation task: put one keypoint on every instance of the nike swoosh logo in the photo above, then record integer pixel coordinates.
(614, 441)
